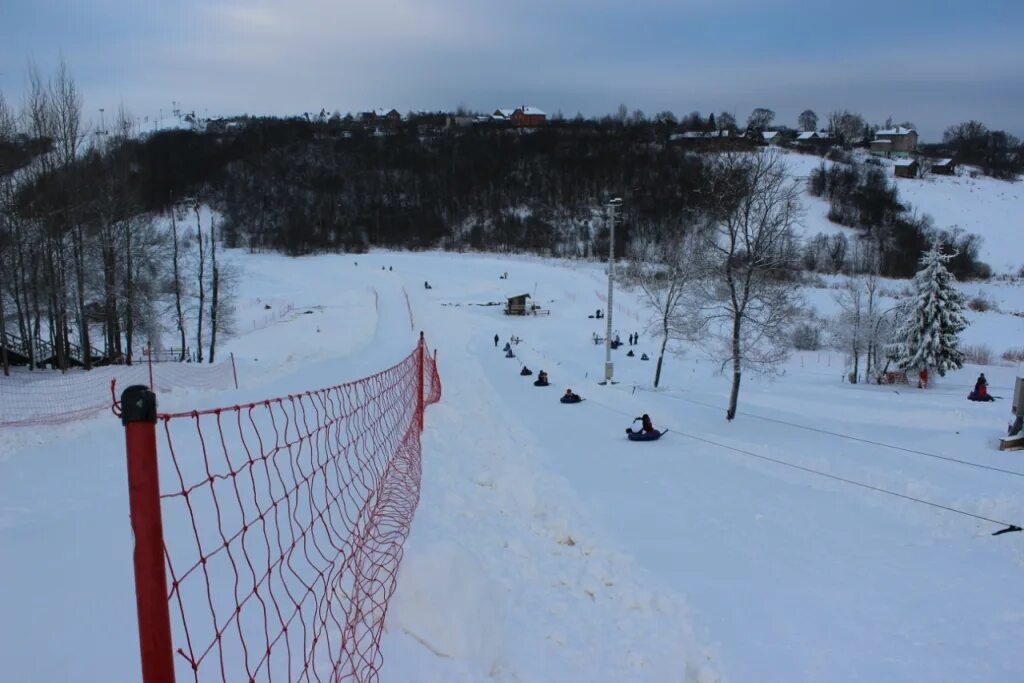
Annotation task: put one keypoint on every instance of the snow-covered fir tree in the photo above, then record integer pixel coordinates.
(926, 334)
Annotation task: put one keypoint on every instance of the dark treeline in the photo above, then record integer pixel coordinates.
(479, 187)
(861, 197)
(86, 271)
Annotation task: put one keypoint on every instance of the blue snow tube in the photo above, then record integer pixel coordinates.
(644, 436)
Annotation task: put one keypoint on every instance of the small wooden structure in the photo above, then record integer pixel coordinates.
(906, 168)
(944, 167)
(517, 305)
(1011, 443)
(894, 377)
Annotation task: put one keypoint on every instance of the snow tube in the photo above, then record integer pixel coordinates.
(974, 397)
(574, 399)
(538, 383)
(641, 436)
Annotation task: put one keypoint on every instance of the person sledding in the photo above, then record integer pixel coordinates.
(570, 397)
(542, 379)
(525, 371)
(508, 353)
(980, 392)
(631, 354)
(646, 432)
(644, 357)
(646, 426)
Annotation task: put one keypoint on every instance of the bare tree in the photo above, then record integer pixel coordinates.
(808, 120)
(760, 119)
(849, 326)
(749, 294)
(67, 113)
(215, 290)
(665, 268)
(201, 281)
(845, 126)
(179, 314)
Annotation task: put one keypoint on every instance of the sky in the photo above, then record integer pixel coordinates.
(930, 62)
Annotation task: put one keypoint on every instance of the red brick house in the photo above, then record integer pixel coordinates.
(527, 116)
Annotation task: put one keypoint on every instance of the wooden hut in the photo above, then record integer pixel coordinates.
(944, 167)
(906, 168)
(517, 305)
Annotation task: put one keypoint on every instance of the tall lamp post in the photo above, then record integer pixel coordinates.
(609, 366)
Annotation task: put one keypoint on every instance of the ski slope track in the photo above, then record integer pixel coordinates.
(549, 548)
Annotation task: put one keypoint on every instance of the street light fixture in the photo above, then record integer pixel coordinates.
(609, 366)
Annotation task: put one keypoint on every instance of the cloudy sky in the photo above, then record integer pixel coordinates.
(932, 62)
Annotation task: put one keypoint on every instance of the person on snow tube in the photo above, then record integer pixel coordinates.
(525, 371)
(570, 397)
(980, 392)
(542, 379)
(646, 426)
(509, 354)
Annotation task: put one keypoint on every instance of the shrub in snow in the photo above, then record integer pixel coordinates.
(1014, 355)
(929, 322)
(980, 303)
(979, 354)
(807, 337)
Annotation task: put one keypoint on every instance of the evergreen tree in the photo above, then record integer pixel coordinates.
(926, 336)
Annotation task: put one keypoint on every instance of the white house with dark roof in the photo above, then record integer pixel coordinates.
(894, 142)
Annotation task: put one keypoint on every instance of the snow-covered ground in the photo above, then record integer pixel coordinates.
(990, 208)
(546, 546)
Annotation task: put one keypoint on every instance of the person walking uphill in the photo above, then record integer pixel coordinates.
(496, 340)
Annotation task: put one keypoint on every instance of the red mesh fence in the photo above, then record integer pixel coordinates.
(283, 526)
(48, 397)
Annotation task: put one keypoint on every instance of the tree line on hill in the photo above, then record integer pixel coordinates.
(92, 253)
(87, 273)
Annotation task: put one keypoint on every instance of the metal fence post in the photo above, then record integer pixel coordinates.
(138, 415)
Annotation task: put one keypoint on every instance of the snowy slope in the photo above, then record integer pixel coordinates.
(546, 546)
(992, 209)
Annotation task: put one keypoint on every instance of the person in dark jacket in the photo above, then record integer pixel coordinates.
(525, 371)
(646, 426)
(496, 341)
(980, 392)
(542, 379)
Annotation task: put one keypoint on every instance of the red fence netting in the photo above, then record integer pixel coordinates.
(48, 397)
(283, 523)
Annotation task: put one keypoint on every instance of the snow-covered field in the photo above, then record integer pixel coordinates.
(549, 548)
(992, 209)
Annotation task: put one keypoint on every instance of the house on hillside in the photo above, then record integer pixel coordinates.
(391, 116)
(526, 116)
(771, 137)
(906, 168)
(502, 114)
(944, 167)
(894, 142)
(813, 139)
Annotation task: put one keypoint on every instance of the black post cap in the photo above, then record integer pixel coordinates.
(138, 404)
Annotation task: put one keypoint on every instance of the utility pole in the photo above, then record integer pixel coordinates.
(609, 366)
